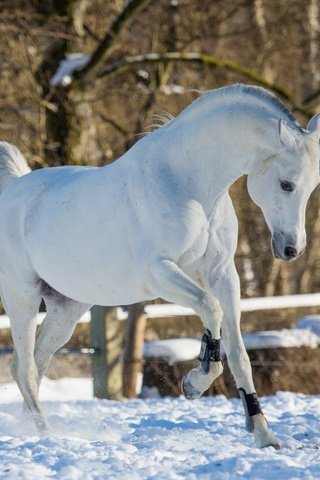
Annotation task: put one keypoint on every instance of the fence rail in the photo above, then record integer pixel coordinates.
(172, 310)
(106, 349)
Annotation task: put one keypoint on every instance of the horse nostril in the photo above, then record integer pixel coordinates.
(290, 252)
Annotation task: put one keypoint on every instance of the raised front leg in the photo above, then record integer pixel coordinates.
(172, 284)
(228, 291)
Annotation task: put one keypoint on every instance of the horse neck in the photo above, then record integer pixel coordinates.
(206, 154)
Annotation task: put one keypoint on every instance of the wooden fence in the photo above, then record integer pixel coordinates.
(107, 384)
(110, 379)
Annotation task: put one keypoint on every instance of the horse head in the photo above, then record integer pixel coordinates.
(282, 183)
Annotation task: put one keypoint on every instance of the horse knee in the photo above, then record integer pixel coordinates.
(211, 314)
(209, 306)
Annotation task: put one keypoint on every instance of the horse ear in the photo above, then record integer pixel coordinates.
(314, 125)
(287, 135)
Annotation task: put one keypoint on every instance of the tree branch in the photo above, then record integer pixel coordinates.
(313, 97)
(124, 18)
(129, 61)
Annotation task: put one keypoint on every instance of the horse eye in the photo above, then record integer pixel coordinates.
(287, 186)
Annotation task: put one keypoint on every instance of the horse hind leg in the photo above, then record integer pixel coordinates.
(62, 315)
(22, 309)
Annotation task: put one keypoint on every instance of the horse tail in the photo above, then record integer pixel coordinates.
(12, 164)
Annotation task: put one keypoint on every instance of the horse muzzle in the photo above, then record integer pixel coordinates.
(284, 247)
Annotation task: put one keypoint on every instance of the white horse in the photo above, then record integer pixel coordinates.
(158, 222)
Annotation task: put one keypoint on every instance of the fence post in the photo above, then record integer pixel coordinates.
(133, 349)
(106, 337)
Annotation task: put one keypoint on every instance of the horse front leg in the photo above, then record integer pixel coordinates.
(228, 291)
(172, 284)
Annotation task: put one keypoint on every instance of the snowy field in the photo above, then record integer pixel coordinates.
(169, 438)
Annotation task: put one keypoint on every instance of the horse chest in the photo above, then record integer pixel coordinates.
(197, 247)
(217, 247)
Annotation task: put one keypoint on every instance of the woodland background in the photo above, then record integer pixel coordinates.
(148, 57)
(273, 43)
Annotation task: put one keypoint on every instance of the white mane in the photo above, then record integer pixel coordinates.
(239, 93)
(12, 164)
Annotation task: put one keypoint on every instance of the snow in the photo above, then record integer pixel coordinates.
(182, 349)
(51, 390)
(284, 338)
(162, 438)
(158, 439)
(311, 322)
(73, 62)
(173, 349)
(173, 89)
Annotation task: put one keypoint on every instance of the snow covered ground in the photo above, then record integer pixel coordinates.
(158, 439)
